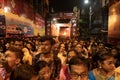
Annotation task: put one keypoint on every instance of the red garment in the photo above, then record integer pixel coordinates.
(7, 77)
(4, 74)
(64, 73)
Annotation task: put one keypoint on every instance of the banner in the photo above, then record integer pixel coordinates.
(39, 27)
(21, 8)
(1, 4)
(17, 26)
(114, 23)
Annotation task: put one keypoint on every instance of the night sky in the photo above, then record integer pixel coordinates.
(62, 5)
(67, 5)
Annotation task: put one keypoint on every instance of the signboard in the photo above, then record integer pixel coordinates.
(39, 27)
(20, 7)
(1, 3)
(65, 15)
(114, 23)
(17, 26)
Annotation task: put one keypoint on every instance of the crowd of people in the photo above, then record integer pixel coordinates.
(48, 58)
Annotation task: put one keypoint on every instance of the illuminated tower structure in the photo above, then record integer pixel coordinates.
(62, 24)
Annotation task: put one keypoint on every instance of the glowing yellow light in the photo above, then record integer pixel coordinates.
(6, 9)
(113, 11)
(64, 33)
(54, 19)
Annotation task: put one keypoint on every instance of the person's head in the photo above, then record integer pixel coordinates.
(12, 43)
(92, 39)
(7, 45)
(69, 45)
(101, 45)
(43, 70)
(23, 72)
(79, 48)
(71, 54)
(62, 47)
(78, 68)
(30, 46)
(56, 47)
(106, 61)
(18, 43)
(94, 47)
(47, 43)
(37, 43)
(118, 45)
(115, 51)
(13, 57)
(82, 42)
(75, 42)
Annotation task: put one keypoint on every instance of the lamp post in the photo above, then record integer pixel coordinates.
(5, 11)
(90, 16)
(90, 12)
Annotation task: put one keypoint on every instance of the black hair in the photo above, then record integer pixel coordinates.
(79, 61)
(72, 50)
(101, 43)
(69, 52)
(19, 40)
(94, 45)
(23, 72)
(39, 65)
(31, 44)
(103, 55)
(45, 38)
(18, 52)
(79, 44)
